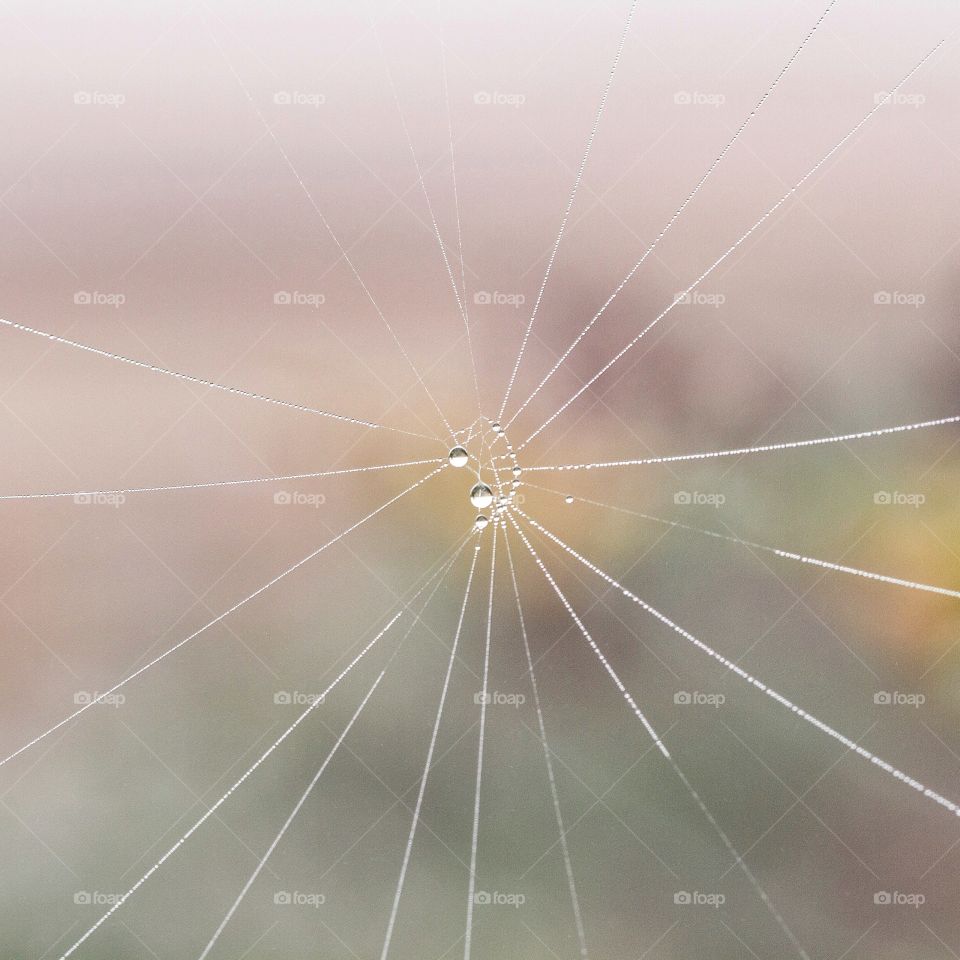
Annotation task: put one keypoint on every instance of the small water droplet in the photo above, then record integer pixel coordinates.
(481, 496)
(568, 499)
(517, 471)
(481, 522)
(458, 457)
(495, 427)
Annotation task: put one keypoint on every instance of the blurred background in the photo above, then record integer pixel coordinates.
(179, 185)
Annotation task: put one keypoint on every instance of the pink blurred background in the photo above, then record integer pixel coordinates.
(144, 172)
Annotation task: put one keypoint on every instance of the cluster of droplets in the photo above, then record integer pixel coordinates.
(482, 495)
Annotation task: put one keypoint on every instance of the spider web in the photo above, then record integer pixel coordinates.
(666, 699)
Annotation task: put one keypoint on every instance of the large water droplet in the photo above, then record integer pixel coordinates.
(458, 457)
(481, 496)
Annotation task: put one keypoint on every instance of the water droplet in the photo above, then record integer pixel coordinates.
(481, 496)
(495, 427)
(481, 522)
(568, 499)
(458, 457)
(517, 471)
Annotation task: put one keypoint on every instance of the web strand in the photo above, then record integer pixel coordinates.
(263, 757)
(720, 832)
(326, 225)
(456, 207)
(481, 740)
(558, 815)
(742, 451)
(428, 763)
(461, 303)
(851, 745)
(276, 842)
(881, 102)
(676, 216)
(289, 820)
(101, 697)
(566, 214)
(186, 836)
(775, 551)
(199, 381)
(217, 483)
